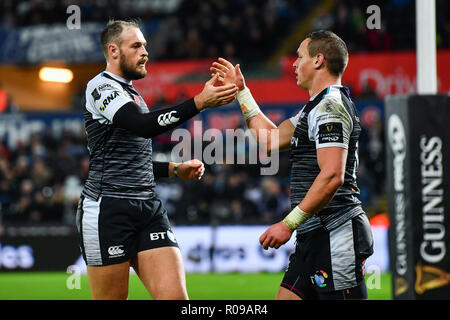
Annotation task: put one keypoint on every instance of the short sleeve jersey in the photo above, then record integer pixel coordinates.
(120, 161)
(328, 120)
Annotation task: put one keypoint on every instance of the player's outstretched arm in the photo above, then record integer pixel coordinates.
(263, 128)
(149, 125)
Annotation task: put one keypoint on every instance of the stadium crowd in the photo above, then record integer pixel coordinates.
(249, 30)
(41, 180)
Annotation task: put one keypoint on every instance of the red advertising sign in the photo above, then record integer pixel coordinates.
(385, 73)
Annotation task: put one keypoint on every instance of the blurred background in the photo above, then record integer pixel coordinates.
(43, 156)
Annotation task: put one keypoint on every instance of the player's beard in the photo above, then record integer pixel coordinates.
(130, 71)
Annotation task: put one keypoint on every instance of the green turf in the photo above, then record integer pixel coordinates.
(229, 286)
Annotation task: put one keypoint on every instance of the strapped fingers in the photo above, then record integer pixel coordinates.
(200, 175)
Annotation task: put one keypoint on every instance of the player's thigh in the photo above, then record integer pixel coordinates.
(107, 230)
(296, 284)
(285, 294)
(109, 282)
(161, 270)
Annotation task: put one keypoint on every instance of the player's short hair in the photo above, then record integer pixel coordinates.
(333, 49)
(112, 32)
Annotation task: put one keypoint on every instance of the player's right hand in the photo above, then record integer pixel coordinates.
(274, 237)
(228, 73)
(212, 96)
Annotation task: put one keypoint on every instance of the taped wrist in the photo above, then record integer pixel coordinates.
(295, 218)
(248, 105)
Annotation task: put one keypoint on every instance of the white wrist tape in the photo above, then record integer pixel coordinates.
(296, 217)
(248, 105)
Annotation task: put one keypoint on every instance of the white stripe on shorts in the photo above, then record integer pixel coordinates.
(343, 256)
(91, 242)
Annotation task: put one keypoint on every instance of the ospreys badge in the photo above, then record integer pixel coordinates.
(95, 94)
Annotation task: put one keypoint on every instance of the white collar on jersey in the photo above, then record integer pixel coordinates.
(333, 86)
(119, 78)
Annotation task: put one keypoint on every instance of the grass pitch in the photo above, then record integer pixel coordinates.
(228, 286)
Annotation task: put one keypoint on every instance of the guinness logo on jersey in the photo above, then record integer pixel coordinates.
(329, 127)
(331, 132)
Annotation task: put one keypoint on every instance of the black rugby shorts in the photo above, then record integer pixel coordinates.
(329, 264)
(113, 230)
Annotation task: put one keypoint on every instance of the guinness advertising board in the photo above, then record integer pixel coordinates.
(417, 129)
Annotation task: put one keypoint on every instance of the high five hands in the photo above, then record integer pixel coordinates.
(227, 73)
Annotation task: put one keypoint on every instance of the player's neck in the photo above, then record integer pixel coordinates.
(114, 70)
(322, 82)
(117, 74)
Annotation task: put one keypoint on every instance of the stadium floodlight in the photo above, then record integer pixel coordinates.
(51, 74)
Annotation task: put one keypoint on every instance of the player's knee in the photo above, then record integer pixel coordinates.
(176, 294)
(117, 294)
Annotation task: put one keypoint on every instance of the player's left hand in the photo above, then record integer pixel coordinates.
(274, 237)
(227, 73)
(192, 169)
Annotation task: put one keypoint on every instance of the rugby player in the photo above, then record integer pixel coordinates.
(333, 233)
(120, 220)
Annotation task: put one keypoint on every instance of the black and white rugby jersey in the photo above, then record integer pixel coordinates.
(120, 161)
(328, 120)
